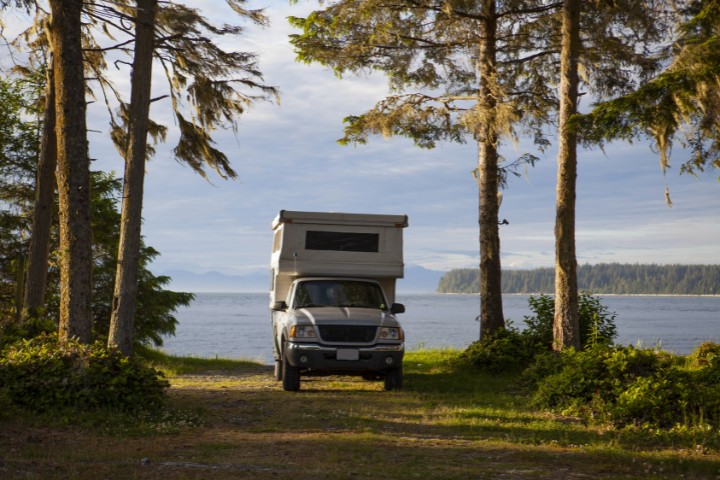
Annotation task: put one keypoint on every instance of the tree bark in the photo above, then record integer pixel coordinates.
(125, 296)
(37, 266)
(566, 330)
(491, 311)
(73, 172)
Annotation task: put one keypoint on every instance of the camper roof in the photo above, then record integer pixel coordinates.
(336, 218)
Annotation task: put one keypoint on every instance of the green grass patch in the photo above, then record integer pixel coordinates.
(450, 421)
(172, 365)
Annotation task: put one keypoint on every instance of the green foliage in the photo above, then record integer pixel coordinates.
(12, 329)
(511, 350)
(680, 104)
(606, 278)
(18, 159)
(43, 374)
(155, 305)
(19, 151)
(597, 324)
(629, 387)
(505, 350)
(706, 355)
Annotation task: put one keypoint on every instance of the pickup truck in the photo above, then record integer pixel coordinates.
(332, 296)
(337, 326)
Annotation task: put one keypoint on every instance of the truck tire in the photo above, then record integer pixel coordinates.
(394, 379)
(290, 375)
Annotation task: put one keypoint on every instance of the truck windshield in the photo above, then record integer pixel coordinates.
(338, 293)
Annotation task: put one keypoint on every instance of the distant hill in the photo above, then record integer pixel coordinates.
(417, 280)
(603, 278)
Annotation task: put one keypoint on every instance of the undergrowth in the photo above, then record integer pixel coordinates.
(45, 374)
(619, 386)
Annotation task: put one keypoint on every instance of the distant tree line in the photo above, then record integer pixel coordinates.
(603, 278)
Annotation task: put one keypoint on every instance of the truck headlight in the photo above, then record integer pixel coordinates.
(391, 333)
(302, 331)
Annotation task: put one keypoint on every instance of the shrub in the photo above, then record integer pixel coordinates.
(14, 330)
(706, 355)
(513, 350)
(574, 381)
(597, 324)
(504, 351)
(628, 386)
(44, 374)
(661, 400)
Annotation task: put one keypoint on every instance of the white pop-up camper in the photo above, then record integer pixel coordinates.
(333, 295)
(336, 244)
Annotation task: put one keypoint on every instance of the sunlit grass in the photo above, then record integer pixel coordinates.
(172, 365)
(231, 419)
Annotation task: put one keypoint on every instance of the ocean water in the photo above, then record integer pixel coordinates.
(237, 325)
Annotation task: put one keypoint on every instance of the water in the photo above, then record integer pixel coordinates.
(237, 325)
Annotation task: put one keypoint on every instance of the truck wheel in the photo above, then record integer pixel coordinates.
(394, 379)
(290, 375)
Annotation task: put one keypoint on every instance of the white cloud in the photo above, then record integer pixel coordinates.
(287, 158)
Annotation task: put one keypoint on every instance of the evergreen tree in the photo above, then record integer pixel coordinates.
(601, 278)
(199, 70)
(681, 104)
(18, 156)
(73, 171)
(566, 330)
(125, 295)
(20, 139)
(43, 207)
(476, 69)
(612, 41)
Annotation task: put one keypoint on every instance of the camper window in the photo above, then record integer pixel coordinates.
(342, 241)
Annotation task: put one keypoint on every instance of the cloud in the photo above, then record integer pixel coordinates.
(287, 158)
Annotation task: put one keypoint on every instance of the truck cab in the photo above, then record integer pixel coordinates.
(332, 296)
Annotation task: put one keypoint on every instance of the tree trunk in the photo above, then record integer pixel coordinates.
(491, 311)
(566, 328)
(37, 266)
(73, 172)
(126, 278)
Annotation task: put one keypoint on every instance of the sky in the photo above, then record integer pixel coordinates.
(286, 157)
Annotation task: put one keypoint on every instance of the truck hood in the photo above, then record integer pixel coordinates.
(334, 315)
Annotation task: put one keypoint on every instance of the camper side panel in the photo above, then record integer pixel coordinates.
(338, 250)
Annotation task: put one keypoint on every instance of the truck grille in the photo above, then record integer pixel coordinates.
(347, 333)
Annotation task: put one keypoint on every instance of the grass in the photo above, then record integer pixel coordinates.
(172, 365)
(230, 419)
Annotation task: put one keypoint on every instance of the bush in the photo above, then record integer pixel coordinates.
(597, 324)
(706, 355)
(629, 386)
(14, 330)
(504, 351)
(513, 350)
(44, 374)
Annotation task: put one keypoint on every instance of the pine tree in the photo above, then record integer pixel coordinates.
(456, 70)
(612, 42)
(73, 171)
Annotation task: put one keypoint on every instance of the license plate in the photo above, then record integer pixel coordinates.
(348, 354)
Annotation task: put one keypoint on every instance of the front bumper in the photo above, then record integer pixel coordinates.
(378, 358)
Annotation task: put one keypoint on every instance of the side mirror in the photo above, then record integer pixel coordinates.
(279, 306)
(397, 308)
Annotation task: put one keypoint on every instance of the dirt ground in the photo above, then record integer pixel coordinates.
(241, 425)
